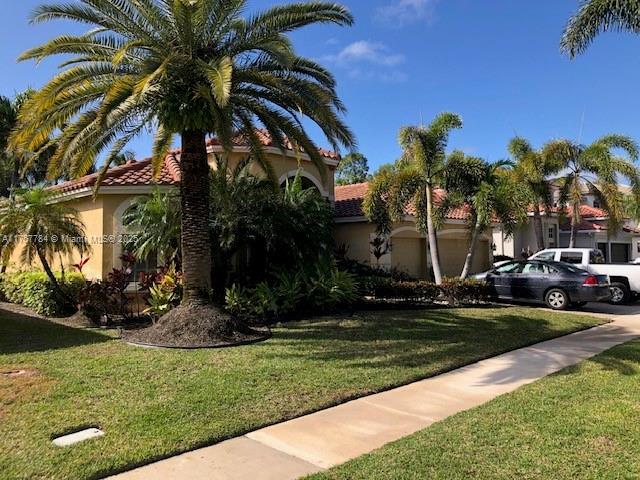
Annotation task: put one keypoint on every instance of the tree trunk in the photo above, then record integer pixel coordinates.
(468, 263)
(574, 226)
(65, 301)
(194, 194)
(537, 225)
(433, 239)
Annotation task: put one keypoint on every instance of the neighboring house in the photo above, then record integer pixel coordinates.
(592, 233)
(407, 248)
(103, 216)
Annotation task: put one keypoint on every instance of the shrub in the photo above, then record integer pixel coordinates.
(453, 290)
(35, 290)
(165, 291)
(292, 292)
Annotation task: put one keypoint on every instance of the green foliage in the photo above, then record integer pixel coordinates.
(165, 291)
(34, 289)
(595, 17)
(353, 168)
(598, 167)
(154, 221)
(177, 66)
(453, 290)
(287, 293)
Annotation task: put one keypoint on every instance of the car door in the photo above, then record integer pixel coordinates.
(504, 278)
(533, 281)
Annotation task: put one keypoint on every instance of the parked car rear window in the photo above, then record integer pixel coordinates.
(537, 267)
(571, 257)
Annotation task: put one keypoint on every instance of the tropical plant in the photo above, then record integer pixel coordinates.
(153, 222)
(489, 191)
(532, 171)
(598, 16)
(598, 168)
(413, 179)
(187, 67)
(353, 168)
(42, 228)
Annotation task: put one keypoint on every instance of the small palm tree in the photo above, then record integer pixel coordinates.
(490, 192)
(154, 222)
(533, 171)
(413, 179)
(43, 229)
(597, 167)
(188, 68)
(595, 17)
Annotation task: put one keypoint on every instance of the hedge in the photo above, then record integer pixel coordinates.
(452, 290)
(35, 290)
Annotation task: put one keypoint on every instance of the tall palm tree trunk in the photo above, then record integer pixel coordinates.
(468, 262)
(574, 226)
(537, 225)
(433, 239)
(194, 193)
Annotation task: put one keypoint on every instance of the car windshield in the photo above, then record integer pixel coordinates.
(573, 269)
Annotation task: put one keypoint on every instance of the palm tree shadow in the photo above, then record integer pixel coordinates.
(22, 333)
(394, 339)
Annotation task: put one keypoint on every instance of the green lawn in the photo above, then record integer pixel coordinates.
(155, 403)
(581, 423)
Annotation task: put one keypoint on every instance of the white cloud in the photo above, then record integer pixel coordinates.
(403, 12)
(369, 52)
(366, 60)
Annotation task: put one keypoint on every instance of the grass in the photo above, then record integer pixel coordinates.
(155, 403)
(579, 423)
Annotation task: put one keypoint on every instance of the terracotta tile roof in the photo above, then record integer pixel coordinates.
(133, 173)
(267, 141)
(588, 226)
(137, 173)
(348, 202)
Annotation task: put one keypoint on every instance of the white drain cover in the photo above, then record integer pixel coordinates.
(77, 437)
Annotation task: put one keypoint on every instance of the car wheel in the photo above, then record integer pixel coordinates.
(619, 294)
(557, 299)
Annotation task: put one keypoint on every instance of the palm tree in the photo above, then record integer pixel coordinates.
(42, 228)
(154, 221)
(595, 17)
(413, 179)
(597, 167)
(490, 192)
(186, 67)
(532, 172)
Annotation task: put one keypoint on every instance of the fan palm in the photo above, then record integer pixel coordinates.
(489, 191)
(42, 228)
(154, 221)
(595, 17)
(532, 172)
(187, 67)
(412, 180)
(599, 169)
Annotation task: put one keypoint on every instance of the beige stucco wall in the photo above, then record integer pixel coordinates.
(524, 238)
(408, 248)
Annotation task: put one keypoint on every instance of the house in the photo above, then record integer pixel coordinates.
(405, 249)
(593, 232)
(102, 217)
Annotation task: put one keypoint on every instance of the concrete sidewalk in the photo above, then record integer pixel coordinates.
(329, 437)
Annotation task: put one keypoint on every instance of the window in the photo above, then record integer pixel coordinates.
(571, 257)
(551, 232)
(596, 204)
(596, 257)
(537, 267)
(549, 256)
(513, 267)
(148, 265)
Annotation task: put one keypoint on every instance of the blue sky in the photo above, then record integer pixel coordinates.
(495, 62)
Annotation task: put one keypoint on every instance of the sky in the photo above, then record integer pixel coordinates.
(494, 62)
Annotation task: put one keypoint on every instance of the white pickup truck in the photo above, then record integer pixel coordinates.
(624, 277)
